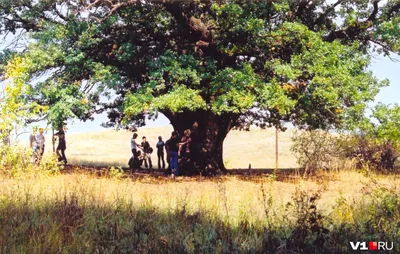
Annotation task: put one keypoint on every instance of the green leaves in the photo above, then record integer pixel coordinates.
(328, 80)
(125, 52)
(389, 32)
(273, 97)
(180, 98)
(230, 12)
(234, 90)
(15, 107)
(104, 76)
(292, 62)
(171, 86)
(387, 122)
(171, 69)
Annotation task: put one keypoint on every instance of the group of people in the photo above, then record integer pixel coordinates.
(37, 143)
(140, 156)
(179, 152)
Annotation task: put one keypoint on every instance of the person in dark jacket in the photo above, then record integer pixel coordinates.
(168, 170)
(62, 145)
(173, 153)
(160, 152)
(147, 150)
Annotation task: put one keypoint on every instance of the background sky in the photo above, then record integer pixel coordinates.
(384, 67)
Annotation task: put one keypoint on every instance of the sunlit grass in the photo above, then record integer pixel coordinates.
(95, 207)
(101, 211)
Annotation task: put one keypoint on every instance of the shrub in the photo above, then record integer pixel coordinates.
(15, 160)
(323, 150)
(318, 150)
(374, 154)
(309, 232)
(115, 173)
(376, 216)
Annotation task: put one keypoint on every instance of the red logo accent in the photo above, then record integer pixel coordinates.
(373, 246)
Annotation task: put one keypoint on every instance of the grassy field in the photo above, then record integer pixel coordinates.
(111, 147)
(80, 209)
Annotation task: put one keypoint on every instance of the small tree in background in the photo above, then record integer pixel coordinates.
(317, 149)
(377, 142)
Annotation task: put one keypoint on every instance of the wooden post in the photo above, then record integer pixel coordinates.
(52, 140)
(276, 149)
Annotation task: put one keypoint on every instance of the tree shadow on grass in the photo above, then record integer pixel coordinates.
(74, 225)
(293, 175)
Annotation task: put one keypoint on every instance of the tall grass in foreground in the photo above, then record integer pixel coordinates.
(83, 213)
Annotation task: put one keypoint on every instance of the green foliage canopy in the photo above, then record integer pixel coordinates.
(258, 62)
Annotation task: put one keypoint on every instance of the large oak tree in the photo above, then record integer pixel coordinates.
(224, 64)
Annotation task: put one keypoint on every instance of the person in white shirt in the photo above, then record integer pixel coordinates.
(134, 148)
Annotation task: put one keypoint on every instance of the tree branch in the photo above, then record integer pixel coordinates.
(375, 11)
(383, 45)
(113, 6)
(58, 13)
(327, 11)
(353, 30)
(302, 5)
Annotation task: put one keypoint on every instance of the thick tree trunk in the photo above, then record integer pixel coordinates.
(207, 139)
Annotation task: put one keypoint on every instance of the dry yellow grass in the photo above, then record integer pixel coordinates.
(110, 147)
(83, 208)
(228, 196)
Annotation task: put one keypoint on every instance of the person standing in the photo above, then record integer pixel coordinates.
(134, 149)
(195, 145)
(184, 145)
(40, 139)
(62, 145)
(173, 153)
(33, 144)
(160, 152)
(147, 150)
(168, 171)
